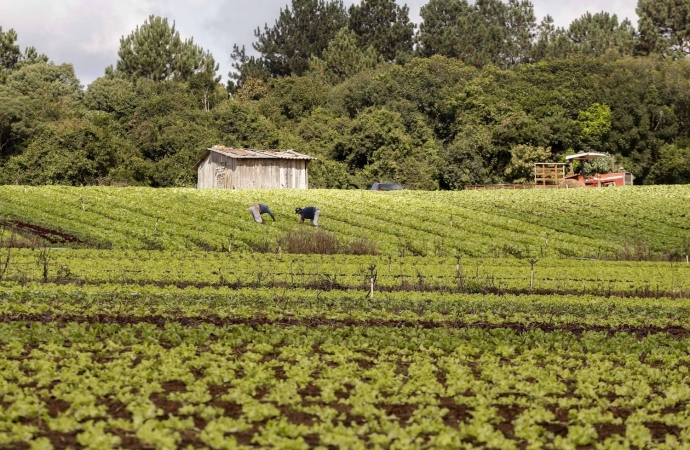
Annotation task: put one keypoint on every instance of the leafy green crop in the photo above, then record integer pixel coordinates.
(638, 222)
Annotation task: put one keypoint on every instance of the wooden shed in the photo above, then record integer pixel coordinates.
(241, 168)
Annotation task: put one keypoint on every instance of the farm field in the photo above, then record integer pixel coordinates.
(141, 318)
(594, 223)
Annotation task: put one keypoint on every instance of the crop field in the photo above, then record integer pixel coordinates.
(163, 319)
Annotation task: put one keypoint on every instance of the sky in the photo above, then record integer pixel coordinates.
(86, 33)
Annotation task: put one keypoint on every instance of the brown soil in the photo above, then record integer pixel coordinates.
(456, 415)
(160, 321)
(640, 293)
(46, 234)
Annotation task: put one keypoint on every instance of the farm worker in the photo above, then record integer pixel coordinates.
(309, 213)
(257, 209)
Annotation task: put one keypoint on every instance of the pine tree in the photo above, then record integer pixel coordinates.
(343, 58)
(595, 34)
(521, 25)
(385, 26)
(439, 32)
(552, 42)
(155, 51)
(11, 56)
(487, 32)
(300, 32)
(246, 67)
(664, 27)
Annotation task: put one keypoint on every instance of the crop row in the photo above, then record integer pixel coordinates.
(106, 386)
(127, 304)
(343, 272)
(551, 222)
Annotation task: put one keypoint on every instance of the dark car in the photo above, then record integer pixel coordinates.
(386, 187)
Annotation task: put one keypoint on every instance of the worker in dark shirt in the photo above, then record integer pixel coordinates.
(257, 209)
(309, 213)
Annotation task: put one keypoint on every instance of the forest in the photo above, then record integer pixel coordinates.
(475, 93)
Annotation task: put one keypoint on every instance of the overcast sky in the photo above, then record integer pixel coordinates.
(87, 33)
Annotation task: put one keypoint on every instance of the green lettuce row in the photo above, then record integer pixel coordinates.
(106, 386)
(118, 303)
(327, 272)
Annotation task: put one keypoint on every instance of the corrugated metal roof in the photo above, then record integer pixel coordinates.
(246, 153)
(584, 156)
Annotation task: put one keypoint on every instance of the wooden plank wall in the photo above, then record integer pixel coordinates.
(220, 171)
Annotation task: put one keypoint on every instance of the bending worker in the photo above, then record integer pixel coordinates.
(309, 213)
(257, 209)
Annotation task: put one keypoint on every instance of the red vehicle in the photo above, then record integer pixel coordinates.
(612, 178)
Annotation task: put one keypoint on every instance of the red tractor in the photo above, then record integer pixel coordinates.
(612, 178)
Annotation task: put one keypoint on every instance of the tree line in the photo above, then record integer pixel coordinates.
(476, 93)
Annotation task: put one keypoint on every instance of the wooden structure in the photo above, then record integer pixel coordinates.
(233, 168)
(552, 175)
(549, 174)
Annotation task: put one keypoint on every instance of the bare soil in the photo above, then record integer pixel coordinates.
(160, 321)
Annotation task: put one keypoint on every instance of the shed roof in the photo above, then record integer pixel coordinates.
(585, 156)
(258, 154)
(246, 153)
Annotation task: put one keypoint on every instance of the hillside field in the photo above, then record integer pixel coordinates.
(143, 318)
(594, 223)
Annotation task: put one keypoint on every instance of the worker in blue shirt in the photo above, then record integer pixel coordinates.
(309, 213)
(257, 209)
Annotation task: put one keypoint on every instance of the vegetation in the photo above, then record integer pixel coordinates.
(626, 223)
(133, 317)
(475, 94)
(127, 365)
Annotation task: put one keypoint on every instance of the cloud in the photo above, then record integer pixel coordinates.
(87, 33)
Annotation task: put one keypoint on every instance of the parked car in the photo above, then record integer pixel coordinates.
(386, 187)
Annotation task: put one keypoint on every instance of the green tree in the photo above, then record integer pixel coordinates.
(32, 96)
(385, 26)
(673, 166)
(664, 27)
(595, 34)
(242, 125)
(245, 67)
(379, 148)
(523, 157)
(551, 42)
(343, 58)
(464, 159)
(115, 96)
(11, 56)
(486, 32)
(521, 27)
(299, 32)
(439, 31)
(157, 52)
(73, 152)
(595, 123)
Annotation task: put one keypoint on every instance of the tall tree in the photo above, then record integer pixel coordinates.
(384, 25)
(438, 32)
(595, 34)
(157, 52)
(33, 95)
(552, 42)
(246, 67)
(521, 26)
(11, 56)
(300, 32)
(486, 32)
(343, 58)
(664, 27)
